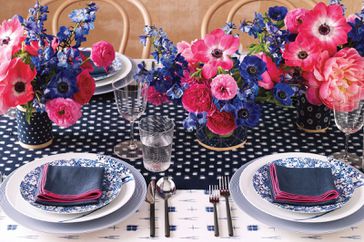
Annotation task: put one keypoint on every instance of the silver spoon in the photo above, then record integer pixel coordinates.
(166, 188)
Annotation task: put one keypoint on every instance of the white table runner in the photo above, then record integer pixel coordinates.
(191, 219)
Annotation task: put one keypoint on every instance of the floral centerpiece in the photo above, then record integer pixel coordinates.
(214, 84)
(318, 50)
(46, 76)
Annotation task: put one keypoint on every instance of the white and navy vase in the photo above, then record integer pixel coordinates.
(34, 135)
(312, 118)
(215, 142)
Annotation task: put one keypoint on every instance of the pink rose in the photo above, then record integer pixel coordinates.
(63, 112)
(340, 79)
(102, 54)
(155, 97)
(271, 75)
(224, 87)
(294, 19)
(221, 123)
(197, 98)
(86, 87)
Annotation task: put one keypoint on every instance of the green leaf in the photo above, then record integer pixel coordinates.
(197, 73)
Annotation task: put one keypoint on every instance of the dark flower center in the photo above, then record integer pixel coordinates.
(5, 41)
(19, 87)
(282, 95)
(61, 112)
(324, 29)
(217, 53)
(299, 21)
(62, 87)
(252, 70)
(302, 55)
(243, 113)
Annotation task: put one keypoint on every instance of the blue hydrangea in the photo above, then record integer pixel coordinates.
(277, 13)
(194, 121)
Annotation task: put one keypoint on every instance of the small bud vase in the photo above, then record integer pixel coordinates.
(312, 118)
(214, 142)
(37, 134)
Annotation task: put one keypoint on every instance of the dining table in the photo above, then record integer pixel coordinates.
(193, 169)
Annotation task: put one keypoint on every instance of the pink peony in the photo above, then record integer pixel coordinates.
(325, 25)
(102, 54)
(197, 98)
(11, 33)
(294, 19)
(313, 88)
(16, 88)
(271, 75)
(215, 51)
(63, 112)
(301, 53)
(155, 97)
(86, 87)
(224, 87)
(338, 79)
(221, 123)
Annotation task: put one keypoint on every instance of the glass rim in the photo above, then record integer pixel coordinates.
(161, 132)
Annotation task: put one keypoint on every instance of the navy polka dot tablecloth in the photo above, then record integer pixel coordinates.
(194, 167)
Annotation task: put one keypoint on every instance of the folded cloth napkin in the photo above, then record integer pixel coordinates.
(69, 185)
(302, 186)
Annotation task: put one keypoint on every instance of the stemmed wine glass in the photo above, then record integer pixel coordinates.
(349, 122)
(131, 101)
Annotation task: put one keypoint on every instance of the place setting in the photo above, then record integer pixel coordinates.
(250, 131)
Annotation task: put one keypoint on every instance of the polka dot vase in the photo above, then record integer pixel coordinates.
(214, 142)
(34, 135)
(312, 118)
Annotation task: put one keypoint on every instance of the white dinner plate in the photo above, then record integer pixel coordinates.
(125, 69)
(301, 227)
(13, 195)
(247, 188)
(104, 222)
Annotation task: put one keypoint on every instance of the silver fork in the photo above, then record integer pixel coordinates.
(214, 197)
(224, 191)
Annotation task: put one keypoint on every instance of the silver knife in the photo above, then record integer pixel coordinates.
(151, 200)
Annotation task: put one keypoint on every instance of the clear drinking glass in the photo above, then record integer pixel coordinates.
(349, 122)
(131, 101)
(156, 134)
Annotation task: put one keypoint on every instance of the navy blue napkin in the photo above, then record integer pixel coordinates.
(70, 185)
(302, 186)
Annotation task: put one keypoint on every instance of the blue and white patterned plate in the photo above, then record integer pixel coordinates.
(342, 173)
(115, 175)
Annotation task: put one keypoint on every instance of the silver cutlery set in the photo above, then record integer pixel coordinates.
(165, 188)
(215, 191)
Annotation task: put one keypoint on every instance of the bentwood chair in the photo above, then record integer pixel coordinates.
(123, 14)
(243, 3)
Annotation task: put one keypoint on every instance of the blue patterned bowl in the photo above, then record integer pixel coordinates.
(115, 175)
(344, 176)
